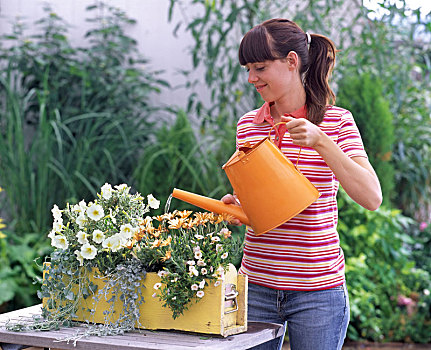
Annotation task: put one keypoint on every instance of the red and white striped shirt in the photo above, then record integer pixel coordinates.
(303, 253)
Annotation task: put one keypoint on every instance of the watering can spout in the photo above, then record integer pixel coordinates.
(210, 204)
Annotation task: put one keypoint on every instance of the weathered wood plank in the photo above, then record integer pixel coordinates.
(257, 333)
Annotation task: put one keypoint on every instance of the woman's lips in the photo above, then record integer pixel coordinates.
(259, 88)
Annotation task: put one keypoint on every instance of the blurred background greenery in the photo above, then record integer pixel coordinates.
(75, 117)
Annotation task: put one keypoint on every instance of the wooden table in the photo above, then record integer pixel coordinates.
(258, 332)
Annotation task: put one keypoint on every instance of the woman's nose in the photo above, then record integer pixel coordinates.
(252, 78)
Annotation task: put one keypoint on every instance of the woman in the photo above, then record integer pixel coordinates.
(296, 271)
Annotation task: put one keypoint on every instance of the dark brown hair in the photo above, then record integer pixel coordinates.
(275, 38)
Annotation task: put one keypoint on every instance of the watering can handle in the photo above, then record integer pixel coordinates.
(269, 136)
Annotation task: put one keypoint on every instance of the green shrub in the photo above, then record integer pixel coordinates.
(380, 271)
(363, 96)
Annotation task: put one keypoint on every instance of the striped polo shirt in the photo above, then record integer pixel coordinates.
(304, 253)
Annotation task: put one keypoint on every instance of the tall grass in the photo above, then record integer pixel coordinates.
(71, 118)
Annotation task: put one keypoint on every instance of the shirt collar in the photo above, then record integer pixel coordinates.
(264, 113)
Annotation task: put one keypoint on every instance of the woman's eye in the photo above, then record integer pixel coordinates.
(260, 68)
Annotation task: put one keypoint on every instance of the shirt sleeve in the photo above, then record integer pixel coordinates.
(349, 138)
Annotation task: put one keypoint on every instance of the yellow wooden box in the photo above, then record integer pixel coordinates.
(221, 310)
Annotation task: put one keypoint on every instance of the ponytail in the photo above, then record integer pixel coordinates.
(320, 65)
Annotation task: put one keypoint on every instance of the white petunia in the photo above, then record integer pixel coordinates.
(219, 248)
(204, 271)
(199, 236)
(82, 237)
(112, 243)
(157, 285)
(60, 241)
(57, 226)
(51, 234)
(95, 212)
(122, 188)
(77, 209)
(215, 239)
(224, 255)
(126, 231)
(56, 212)
(83, 205)
(217, 284)
(88, 251)
(81, 220)
(79, 257)
(202, 284)
(106, 191)
(153, 202)
(194, 287)
(98, 236)
(200, 294)
(198, 255)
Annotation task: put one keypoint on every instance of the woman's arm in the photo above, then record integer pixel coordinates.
(355, 174)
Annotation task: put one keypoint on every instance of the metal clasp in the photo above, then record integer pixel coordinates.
(231, 298)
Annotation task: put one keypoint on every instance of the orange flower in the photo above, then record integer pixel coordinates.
(166, 242)
(175, 224)
(202, 218)
(227, 217)
(131, 244)
(216, 218)
(184, 214)
(167, 256)
(160, 217)
(155, 244)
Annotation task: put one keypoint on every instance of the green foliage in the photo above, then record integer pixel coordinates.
(363, 96)
(216, 29)
(72, 118)
(19, 270)
(379, 270)
(178, 158)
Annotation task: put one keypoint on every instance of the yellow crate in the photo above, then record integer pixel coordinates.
(220, 311)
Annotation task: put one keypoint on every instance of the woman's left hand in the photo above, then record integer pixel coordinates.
(303, 132)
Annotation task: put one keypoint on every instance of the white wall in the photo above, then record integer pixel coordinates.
(152, 31)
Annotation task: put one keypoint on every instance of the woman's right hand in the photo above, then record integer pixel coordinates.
(232, 199)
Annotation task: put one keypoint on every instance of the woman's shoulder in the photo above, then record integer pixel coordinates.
(248, 117)
(335, 111)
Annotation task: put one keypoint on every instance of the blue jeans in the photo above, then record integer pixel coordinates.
(315, 319)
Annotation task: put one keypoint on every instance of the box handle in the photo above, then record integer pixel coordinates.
(231, 297)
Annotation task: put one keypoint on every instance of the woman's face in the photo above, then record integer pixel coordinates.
(273, 80)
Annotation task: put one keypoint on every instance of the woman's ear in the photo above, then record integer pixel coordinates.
(292, 60)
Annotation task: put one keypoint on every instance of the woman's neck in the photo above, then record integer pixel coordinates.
(288, 105)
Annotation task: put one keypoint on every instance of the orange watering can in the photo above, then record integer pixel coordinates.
(269, 187)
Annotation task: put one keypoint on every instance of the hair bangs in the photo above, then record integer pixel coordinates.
(255, 47)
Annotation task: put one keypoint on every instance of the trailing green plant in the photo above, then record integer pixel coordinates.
(380, 272)
(363, 96)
